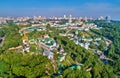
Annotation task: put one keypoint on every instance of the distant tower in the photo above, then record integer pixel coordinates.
(85, 19)
(108, 18)
(64, 16)
(70, 19)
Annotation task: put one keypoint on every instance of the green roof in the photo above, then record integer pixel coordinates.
(48, 44)
(60, 55)
(75, 67)
(31, 29)
(32, 40)
(48, 39)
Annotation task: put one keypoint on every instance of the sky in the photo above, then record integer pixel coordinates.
(89, 8)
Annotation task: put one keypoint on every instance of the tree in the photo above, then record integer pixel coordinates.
(102, 45)
(93, 46)
(111, 50)
(24, 65)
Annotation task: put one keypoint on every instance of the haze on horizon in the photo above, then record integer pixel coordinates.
(89, 8)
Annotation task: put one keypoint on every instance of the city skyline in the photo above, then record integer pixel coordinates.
(89, 8)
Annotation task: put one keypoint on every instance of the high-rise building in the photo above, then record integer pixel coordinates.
(108, 18)
(70, 18)
(85, 19)
(64, 16)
